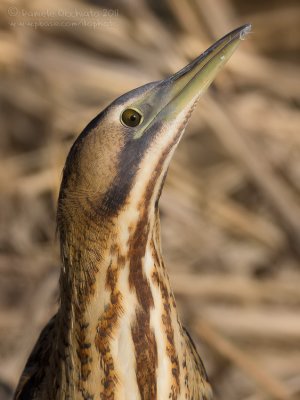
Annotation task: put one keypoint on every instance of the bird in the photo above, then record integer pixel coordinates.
(117, 334)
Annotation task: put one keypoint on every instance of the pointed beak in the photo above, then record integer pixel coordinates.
(186, 86)
(178, 93)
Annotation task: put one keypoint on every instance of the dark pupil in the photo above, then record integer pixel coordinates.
(131, 117)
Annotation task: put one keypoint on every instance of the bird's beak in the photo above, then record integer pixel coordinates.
(189, 83)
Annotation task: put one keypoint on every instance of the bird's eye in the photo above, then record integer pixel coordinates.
(131, 117)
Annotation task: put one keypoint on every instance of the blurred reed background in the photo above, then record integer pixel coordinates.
(230, 208)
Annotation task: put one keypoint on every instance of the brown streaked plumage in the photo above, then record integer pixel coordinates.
(117, 334)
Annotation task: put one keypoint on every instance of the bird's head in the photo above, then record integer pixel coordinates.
(122, 156)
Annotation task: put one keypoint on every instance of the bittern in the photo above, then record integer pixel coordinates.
(117, 334)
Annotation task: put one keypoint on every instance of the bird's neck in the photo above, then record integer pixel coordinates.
(117, 309)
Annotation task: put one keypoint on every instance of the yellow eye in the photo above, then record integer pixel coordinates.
(131, 117)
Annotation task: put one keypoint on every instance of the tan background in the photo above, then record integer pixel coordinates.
(230, 208)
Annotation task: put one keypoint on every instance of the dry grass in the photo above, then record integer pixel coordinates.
(230, 208)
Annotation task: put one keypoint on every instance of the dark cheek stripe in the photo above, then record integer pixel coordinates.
(130, 159)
